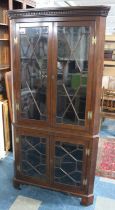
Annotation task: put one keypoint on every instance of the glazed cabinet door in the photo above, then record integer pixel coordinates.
(32, 62)
(70, 161)
(73, 69)
(32, 156)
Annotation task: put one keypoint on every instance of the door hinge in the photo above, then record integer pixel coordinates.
(90, 115)
(87, 152)
(94, 40)
(84, 182)
(18, 168)
(17, 139)
(15, 40)
(17, 107)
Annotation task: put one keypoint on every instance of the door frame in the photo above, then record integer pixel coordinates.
(21, 131)
(17, 75)
(75, 140)
(91, 54)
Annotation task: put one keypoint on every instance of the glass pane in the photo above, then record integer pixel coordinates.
(33, 53)
(33, 156)
(72, 71)
(68, 163)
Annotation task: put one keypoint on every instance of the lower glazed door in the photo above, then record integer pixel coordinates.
(69, 158)
(31, 157)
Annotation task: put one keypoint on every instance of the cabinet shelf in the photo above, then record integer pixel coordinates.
(110, 38)
(31, 58)
(109, 71)
(4, 39)
(4, 24)
(109, 55)
(27, 58)
(109, 63)
(4, 67)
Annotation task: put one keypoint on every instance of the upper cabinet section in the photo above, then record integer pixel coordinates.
(54, 83)
(57, 66)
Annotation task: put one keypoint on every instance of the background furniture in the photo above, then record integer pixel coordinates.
(109, 56)
(8, 83)
(5, 5)
(108, 103)
(22, 4)
(108, 82)
(5, 87)
(4, 44)
(4, 129)
(57, 63)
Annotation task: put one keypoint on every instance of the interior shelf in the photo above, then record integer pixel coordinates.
(110, 38)
(4, 24)
(109, 63)
(4, 39)
(4, 67)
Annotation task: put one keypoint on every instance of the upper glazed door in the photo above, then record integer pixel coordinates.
(33, 69)
(74, 54)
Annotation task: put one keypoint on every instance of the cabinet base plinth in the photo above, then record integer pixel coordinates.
(86, 201)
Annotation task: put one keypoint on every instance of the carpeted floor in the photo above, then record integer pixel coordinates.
(25, 203)
(106, 150)
(107, 128)
(106, 158)
(104, 192)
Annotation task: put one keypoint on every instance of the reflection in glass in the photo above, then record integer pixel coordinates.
(33, 53)
(68, 166)
(72, 70)
(33, 156)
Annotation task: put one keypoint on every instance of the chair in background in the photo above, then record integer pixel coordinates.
(108, 103)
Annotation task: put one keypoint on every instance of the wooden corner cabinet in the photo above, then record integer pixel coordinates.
(57, 63)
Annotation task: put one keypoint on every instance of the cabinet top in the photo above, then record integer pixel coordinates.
(60, 12)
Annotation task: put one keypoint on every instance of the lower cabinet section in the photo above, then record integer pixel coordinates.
(52, 161)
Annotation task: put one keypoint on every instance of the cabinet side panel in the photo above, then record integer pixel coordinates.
(92, 166)
(98, 67)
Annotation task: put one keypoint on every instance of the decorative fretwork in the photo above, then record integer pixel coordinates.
(33, 156)
(33, 53)
(61, 12)
(73, 46)
(68, 168)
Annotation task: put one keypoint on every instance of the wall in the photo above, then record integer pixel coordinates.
(110, 24)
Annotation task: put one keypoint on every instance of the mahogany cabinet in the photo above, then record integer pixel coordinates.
(57, 63)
